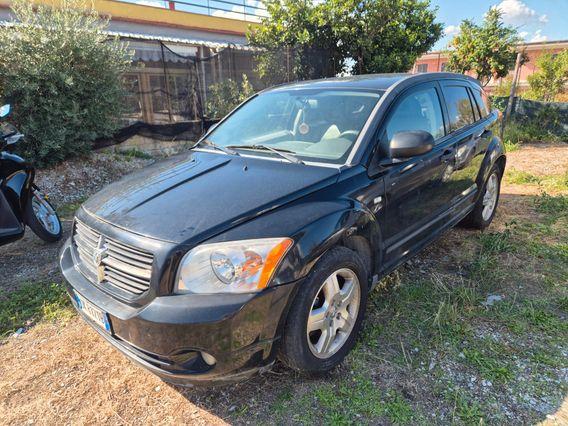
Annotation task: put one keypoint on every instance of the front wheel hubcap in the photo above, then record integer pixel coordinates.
(45, 214)
(333, 313)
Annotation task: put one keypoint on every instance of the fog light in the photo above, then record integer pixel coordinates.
(209, 359)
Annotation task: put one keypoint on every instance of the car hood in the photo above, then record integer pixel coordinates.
(197, 195)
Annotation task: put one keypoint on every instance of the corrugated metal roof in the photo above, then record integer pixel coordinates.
(164, 39)
(192, 41)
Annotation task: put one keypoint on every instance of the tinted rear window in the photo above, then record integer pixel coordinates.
(459, 107)
(482, 102)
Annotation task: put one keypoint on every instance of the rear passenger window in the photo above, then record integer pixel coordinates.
(482, 102)
(459, 107)
(419, 110)
(474, 105)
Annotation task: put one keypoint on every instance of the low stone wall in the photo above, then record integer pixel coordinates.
(153, 146)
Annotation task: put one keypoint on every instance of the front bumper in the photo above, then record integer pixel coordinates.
(168, 334)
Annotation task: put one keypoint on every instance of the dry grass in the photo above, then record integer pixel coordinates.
(540, 159)
(54, 375)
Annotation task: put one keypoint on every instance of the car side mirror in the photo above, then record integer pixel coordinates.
(410, 144)
(5, 110)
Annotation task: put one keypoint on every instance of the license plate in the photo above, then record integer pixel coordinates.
(92, 312)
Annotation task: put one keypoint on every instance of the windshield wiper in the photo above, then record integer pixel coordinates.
(284, 153)
(226, 150)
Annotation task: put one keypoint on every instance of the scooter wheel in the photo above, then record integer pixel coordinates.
(42, 218)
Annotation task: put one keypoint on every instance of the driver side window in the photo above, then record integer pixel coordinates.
(419, 110)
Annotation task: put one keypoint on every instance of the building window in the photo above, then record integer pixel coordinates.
(422, 68)
(444, 67)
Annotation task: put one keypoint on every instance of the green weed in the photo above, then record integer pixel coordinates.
(132, 153)
(32, 303)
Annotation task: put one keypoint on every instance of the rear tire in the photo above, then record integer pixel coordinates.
(327, 312)
(486, 206)
(42, 218)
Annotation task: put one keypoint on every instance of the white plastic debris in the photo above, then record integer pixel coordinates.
(492, 299)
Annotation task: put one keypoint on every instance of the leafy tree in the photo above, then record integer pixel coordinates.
(63, 76)
(551, 78)
(227, 95)
(297, 41)
(489, 49)
(302, 39)
(503, 90)
(383, 36)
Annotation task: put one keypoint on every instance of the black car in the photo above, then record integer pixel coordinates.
(265, 239)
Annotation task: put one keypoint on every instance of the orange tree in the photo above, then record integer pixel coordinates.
(489, 49)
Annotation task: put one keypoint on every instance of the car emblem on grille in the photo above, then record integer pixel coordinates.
(98, 256)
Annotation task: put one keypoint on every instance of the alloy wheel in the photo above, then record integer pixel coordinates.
(333, 313)
(490, 196)
(45, 214)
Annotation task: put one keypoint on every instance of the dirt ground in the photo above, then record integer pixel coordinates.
(63, 372)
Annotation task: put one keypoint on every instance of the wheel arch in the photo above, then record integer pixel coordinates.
(495, 155)
(354, 228)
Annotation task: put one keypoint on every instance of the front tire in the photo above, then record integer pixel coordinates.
(42, 218)
(326, 315)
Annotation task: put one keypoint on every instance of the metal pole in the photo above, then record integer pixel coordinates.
(167, 83)
(512, 94)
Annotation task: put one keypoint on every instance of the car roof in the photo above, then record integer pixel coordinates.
(375, 82)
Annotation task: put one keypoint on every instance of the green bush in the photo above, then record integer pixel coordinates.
(63, 76)
(227, 95)
(546, 126)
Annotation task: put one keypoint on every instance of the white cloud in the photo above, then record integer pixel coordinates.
(451, 30)
(538, 37)
(515, 12)
(523, 34)
(155, 3)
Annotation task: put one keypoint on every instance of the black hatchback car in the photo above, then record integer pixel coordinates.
(265, 239)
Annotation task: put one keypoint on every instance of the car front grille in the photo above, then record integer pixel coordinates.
(110, 262)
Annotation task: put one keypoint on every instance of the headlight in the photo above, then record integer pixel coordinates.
(232, 267)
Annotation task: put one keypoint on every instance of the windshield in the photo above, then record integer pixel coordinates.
(312, 125)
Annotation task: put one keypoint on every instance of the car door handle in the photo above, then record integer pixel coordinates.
(482, 134)
(448, 155)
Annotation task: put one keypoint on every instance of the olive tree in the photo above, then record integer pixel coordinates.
(63, 75)
(551, 78)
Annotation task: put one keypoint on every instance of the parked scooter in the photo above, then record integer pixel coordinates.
(21, 201)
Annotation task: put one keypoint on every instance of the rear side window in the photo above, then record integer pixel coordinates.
(482, 102)
(420, 110)
(459, 107)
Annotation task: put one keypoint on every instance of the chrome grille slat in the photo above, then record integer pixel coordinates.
(87, 244)
(126, 281)
(109, 276)
(123, 247)
(131, 270)
(123, 267)
(142, 262)
(89, 233)
(122, 275)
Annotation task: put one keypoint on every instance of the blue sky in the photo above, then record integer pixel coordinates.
(536, 20)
